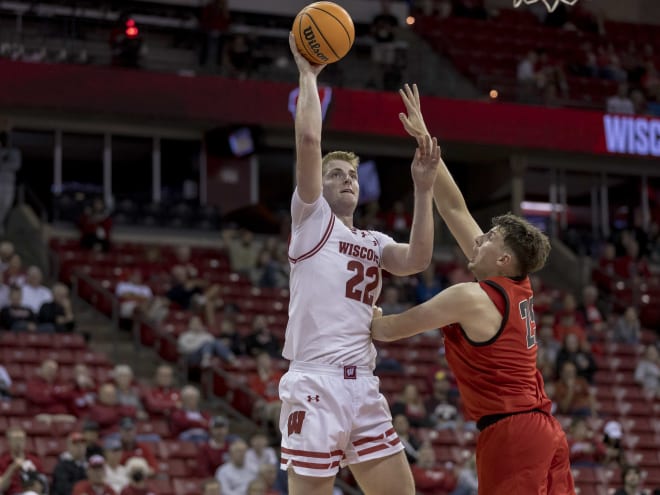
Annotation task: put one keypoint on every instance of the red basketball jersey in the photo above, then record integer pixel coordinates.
(499, 376)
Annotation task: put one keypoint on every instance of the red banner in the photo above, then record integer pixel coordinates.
(131, 94)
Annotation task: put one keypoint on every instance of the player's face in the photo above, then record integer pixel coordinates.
(340, 187)
(487, 254)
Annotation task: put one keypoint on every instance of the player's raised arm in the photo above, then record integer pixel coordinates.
(414, 257)
(308, 128)
(448, 198)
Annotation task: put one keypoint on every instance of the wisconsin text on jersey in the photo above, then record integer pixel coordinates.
(357, 251)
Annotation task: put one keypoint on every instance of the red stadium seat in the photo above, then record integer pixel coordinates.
(173, 449)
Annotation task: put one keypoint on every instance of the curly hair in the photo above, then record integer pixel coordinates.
(530, 246)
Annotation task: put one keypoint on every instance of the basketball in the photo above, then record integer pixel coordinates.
(324, 32)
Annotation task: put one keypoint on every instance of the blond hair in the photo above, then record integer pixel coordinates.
(343, 156)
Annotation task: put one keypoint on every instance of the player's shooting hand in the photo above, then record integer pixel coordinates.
(413, 122)
(425, 164)
(304, 65)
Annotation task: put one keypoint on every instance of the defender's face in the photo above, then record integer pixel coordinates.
(340, 186)
(488, 249)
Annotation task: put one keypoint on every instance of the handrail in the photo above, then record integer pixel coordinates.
(25, 195)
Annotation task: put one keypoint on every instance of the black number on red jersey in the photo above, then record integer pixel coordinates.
(527, 314)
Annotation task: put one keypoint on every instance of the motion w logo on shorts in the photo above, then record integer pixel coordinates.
(295, 422)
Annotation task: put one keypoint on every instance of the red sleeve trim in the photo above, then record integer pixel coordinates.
(317, 248)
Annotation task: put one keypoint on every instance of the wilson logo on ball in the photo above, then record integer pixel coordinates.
(314, 45)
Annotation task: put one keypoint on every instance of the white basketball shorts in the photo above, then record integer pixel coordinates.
(333, 416)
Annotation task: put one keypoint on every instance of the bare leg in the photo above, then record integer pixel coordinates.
(307, 485)
(385, 476)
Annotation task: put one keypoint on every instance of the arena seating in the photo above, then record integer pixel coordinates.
(488, 51)
(617, 393)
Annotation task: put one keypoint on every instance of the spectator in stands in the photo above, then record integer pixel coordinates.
(116, 474)
(95, 482)
(128, 394)
(57, 313)
(131, 447)
(408, 439)
(107, 411)
(46, 395)
(134, 296)
(5, 384)
(197, 345)
(15, 316)
(632, 482)
(90, 431)
(70, 467)
(620, 102)
(14, 274)
(16, 461)
(442, 405)
(585, 450)
(243, 250)
(4, 294)
(34, 294)
(431, 479)
(428, 284)
(578, 354)
(237, 57)
(647, 372)
(164, 396)
(235, 475)
(528, 78)
(6, 252)
(193, 293)
(189, 422)
(398, 221)
(95, 226)
(212, 454)
(545, 332)
(266, 385)
(138, 473)
(214, 24)
(628, 329)
(83, 390)
(260, 453)
(211, 487)
(262, 339)
(267, 473)
(467, 483)
(383, 50)
(612, 436)
(34, 483)
(229, 335)
(391, 303)
(411, 404)
(268, 272)
(594, 311)
(567, 325)
(609, 64)
(572, 393)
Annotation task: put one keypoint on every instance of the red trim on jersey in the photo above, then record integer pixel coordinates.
(364, 440)
(309, 453)
(310, 465)
(375, 448)
(317, 248)
(395, 442)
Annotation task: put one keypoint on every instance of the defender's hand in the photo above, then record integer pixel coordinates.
(413, 122)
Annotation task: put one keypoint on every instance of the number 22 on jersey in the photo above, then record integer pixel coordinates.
(370, 274)
(527, 313)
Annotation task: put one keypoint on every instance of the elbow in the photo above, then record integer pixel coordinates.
(309, 139)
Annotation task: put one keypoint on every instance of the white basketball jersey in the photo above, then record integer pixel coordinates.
(335, 281)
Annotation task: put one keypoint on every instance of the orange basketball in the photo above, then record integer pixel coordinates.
(324, 32)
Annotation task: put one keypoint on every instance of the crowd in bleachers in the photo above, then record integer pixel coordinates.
(570, 56)
(599, 363)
